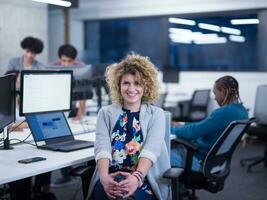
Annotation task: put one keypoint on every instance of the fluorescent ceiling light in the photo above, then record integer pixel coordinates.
(179, 30)
(219, 40)
(230, 30)
(183, 41)
(192, 35)
(181, 37)
(196, 37)
(182, 21)
(237, 38)
(210, 27)
(55, 2)
(244, 21)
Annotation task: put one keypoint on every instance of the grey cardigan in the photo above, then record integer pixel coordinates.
(152, 122)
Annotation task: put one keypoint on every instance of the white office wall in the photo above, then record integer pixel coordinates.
(18, 19)
(55, 32)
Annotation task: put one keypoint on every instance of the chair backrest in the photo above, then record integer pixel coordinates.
(260, 108)
(216, 166)
(199, 104)
(161, 101)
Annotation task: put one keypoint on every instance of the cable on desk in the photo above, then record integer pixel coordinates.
(21, 141)
(16, 126)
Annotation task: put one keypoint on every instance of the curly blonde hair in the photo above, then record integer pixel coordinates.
(144, 71)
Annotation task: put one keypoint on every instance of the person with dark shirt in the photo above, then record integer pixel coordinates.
(67, 57)
(205, 133)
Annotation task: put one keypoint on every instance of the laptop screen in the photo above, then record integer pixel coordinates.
(48, 125)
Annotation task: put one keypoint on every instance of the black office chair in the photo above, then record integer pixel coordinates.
(260, 128)
(195, 109)
(85, 172)
(161, 101)
(216, 165)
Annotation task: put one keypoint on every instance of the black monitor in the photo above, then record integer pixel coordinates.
(170, 74)
(45, 91)
(82, 80)
(7, 100)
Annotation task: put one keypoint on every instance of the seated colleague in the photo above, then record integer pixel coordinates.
(42, 182)
(31, 47)
(130, 134)
(67, 57)
(205, 133)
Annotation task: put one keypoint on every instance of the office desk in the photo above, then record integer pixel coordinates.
(11, 170)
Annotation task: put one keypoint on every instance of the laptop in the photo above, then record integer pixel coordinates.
(51, 131)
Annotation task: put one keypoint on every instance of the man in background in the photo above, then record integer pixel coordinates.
(67, 57)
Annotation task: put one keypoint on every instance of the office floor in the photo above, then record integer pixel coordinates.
(240, 185)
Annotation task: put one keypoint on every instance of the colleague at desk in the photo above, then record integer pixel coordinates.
(205, 133)
(130, 144)
(31, 47)
(67, 57)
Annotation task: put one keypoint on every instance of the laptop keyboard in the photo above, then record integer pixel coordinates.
(69, 144)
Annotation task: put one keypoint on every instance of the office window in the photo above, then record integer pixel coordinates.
(108, 41)
(213, 43)
(188, 43)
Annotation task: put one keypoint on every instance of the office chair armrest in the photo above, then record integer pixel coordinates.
(173, 173)
(188, 145)
(191, 148)
(80, 170)
(83, 169)
(184, 102)
(184, 108)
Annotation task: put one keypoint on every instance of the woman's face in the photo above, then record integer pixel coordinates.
(219, 94)
(28, 55)
(131, 91)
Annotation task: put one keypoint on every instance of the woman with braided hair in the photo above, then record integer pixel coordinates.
(205, 133)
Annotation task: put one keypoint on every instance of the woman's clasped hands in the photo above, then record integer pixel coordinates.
(119, 184)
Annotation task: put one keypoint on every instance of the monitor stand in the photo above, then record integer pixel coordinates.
(6, 145)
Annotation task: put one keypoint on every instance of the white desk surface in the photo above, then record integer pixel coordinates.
(11, 170)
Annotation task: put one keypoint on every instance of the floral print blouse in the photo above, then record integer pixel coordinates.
(127, 141)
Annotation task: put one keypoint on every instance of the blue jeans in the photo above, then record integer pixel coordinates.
(99, 193)
(178, 157)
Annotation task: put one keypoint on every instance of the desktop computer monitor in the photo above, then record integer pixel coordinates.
(170, 74)
(82, 80)
(45, 91)
(7, 100)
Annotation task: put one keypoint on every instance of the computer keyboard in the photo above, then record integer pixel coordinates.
(73, 144)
